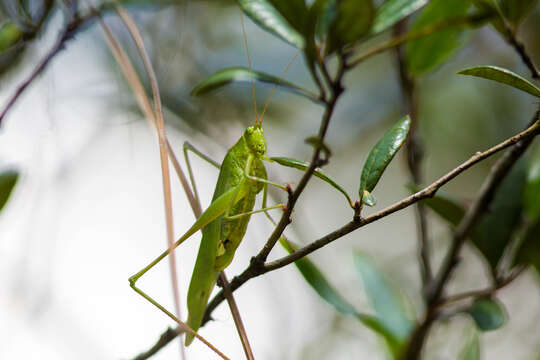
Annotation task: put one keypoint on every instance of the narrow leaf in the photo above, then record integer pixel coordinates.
(443, 205)
(393, 11)
(488, 314)
(315, 278)
(242, 74)
(382, 153)
(495, 229)
(8, 179)
(264, 14)
(389, 305)
(353, 21)
(503, 76)
(302, 165)
(426, 53)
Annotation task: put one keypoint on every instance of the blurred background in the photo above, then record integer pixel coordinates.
(87, 211)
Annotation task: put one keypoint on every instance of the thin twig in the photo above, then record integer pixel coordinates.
(476, 294)
(414, 149)
(67, 33)
(519, 47)
(169, 335)
(224, 283)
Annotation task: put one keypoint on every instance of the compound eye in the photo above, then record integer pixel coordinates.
(250, 130)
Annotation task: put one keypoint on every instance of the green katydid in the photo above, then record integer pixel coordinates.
(242, 176)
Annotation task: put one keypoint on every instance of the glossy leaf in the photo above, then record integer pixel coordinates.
(443, 205)
(368, 198)
(264, 14)
(303, 165)
(393, 11)
(488, 314)
(324, 14)
(352, 22)
(388, 303)
(8, 179)
(426, 53)
(531, 198)
(382, 153)
(471, 350)
(241, 74)
(495, 229)
(294, 11)
(502, 76)
(516, 10)
(315, 278)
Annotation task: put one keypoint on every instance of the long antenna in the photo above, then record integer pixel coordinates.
(250, 68)
(276, 85)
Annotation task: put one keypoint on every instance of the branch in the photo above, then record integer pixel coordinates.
(476, 294)
(415, 152)
(497, 174)
(519, 47)
(69, 31)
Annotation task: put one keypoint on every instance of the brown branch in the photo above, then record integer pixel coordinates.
(67, 33)
(476, 294)
(480, 206)
(224, 283)
(169, 335)
(519, 47)
(414, 149)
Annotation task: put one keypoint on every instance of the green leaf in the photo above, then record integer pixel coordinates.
(8, 179)
(443, 205)
(516, 10)
(503, 76)
(352, 22)
(294, 11)
(382, 153)
(241, 74)
(264, 14)
(426, 53)
(303, 165)
(495, 229)
(528, 252)
(471, 350)
(393, 11)
(488, 314)
(323, 13)
(389, 305)
(315, 278)
(368, 198)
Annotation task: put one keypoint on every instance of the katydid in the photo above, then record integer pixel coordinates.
(241, 178)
